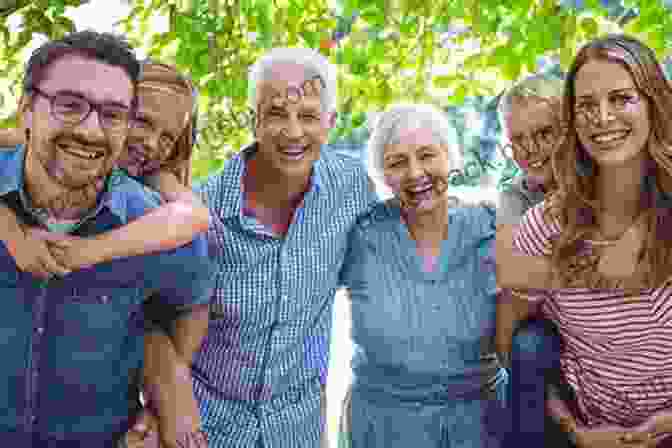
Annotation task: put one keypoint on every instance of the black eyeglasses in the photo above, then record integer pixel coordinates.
(72, 109)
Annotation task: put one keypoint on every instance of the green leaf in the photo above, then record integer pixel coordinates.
(590, 27)
(377, 52)
(460, 94)
(446, 81)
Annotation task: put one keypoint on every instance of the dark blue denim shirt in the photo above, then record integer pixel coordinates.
(69, 345)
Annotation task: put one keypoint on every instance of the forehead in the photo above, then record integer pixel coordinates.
(409, 139)
(528, 115)
(599, 77)
(283, 76)
(94, 79)
(163, 107)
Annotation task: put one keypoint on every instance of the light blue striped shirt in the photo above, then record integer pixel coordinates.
(259, 372)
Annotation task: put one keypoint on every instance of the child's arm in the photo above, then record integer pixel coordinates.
(31, 253)
(510, 312)
(179, 219)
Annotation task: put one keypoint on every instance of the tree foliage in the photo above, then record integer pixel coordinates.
(458, 54)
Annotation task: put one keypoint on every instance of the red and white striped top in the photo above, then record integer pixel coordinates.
(617, 346)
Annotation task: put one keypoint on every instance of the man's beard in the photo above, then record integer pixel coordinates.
(64, 197)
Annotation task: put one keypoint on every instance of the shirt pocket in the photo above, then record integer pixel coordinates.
(96, 310)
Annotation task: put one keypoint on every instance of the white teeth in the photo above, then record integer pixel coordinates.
(294, 152)
(610, 137)
(421, 188)
(536, 164)
(90, 155)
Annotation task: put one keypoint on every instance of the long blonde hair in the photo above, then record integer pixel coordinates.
(168, 77)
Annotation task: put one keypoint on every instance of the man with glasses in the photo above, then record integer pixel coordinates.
(68, 344)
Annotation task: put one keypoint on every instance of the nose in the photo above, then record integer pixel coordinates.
(91, 127)
(606, 114)
(294, 129)
(414, 169)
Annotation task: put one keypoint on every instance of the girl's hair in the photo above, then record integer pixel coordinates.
(574, 203)
(168, 77)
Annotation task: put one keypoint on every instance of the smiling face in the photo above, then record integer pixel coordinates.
(292, 124)
(611, 115)
(161, 119)
(534, 130)
(416, 168)
(75, 156)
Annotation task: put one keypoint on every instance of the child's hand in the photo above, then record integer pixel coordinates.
(73, 252)
(144, 433)
(32, 254)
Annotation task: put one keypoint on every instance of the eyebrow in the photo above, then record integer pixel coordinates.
(624, 89)
(82, 96)
(394, 156)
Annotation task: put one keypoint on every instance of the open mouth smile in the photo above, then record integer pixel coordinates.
(80, 152)
(294, 152)
(611, 137)
(420, 192)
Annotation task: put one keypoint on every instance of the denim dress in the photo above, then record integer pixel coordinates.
(425, 373)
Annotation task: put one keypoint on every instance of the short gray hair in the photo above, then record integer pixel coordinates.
(313, 62)
(547, 86)
(402, 116)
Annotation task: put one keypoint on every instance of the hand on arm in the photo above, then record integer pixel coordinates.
(650, 433)
(180, 219)
(603, 436)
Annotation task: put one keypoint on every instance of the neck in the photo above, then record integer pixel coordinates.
(60, 202)
(430, 227)
(618, 190)
(286, 191)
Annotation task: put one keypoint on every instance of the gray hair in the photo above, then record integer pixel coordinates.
(547, 86)
(313, 62)
(402, 116)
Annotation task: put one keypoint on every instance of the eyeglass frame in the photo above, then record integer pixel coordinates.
(130, 110)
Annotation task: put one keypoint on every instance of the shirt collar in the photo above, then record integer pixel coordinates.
(233, 180)
(11, 180)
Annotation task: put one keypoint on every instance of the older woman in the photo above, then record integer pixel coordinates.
(606, 232)
(530, 115)
(423, 298)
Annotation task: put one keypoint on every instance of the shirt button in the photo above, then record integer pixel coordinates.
(33, 418)
(40, 330)
(104, 299)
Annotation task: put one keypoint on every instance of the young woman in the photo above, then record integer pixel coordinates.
(423, 299)
(606, 233)
(160, 142)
